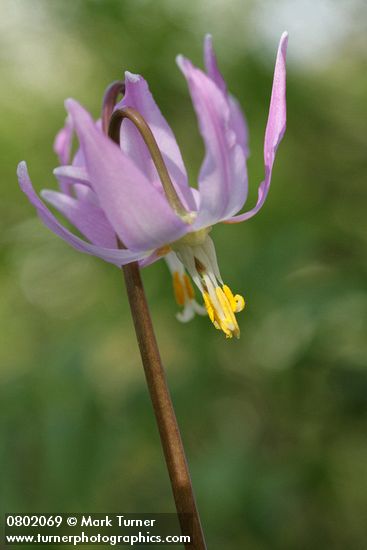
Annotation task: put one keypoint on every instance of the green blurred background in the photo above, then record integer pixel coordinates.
(275, 424)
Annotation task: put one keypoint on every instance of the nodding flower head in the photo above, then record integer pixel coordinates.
(200, 259)
(130, 197)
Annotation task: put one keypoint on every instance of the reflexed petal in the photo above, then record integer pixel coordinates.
(237, 119)
(275, 128)
(211, 65)
(223, 177)
(238, 124)
(138, 212)
(69, 175)
(63, 141)
(85, 216)
(78, 159)
(138, 96)
(84, 193)
(115, 256)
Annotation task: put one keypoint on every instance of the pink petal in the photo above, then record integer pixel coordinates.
(85, 216)
(112, 255)
(223, 177)
(69, 175)
(63, 141)
(211, 64)
(138, 212)
(138, 96)
(237, 119)
(74, 181)
(84, 193)
(238, 124)
(275, 127)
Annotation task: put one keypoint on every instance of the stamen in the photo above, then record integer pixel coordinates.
(227, 291)
(188, 287)
(230, 321)
(220, 303)
(138, 120)
(209, 306)
(223, 316)
(183, 290)
(179, 289)
(237, 302)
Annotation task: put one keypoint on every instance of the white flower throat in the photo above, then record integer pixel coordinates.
(197, 253)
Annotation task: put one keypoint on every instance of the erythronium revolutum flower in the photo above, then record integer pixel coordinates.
(114, 195)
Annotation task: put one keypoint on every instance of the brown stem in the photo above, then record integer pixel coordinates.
(159, 393)
(163, 409)
(109, 101)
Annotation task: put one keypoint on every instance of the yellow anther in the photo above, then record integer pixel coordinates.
(237, 302)
(228, 292)
(227, 331)
(226, 306)
(221, 312)
(209, 307)
(179, 289)
(229, 324)
(188, 287)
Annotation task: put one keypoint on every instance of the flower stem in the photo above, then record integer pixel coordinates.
(109, 102)
(154, 372)
(163, 409)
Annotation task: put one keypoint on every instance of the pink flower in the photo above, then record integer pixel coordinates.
(112, 193)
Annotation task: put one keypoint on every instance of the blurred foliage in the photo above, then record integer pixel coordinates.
(275, 424)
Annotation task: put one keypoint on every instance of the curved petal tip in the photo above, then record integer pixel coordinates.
(132, 77)
(180, 60)
(283, 42)
(69, 103)
(208, 39)
(22, 173)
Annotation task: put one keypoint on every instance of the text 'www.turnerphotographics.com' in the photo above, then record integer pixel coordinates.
(105, 529)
